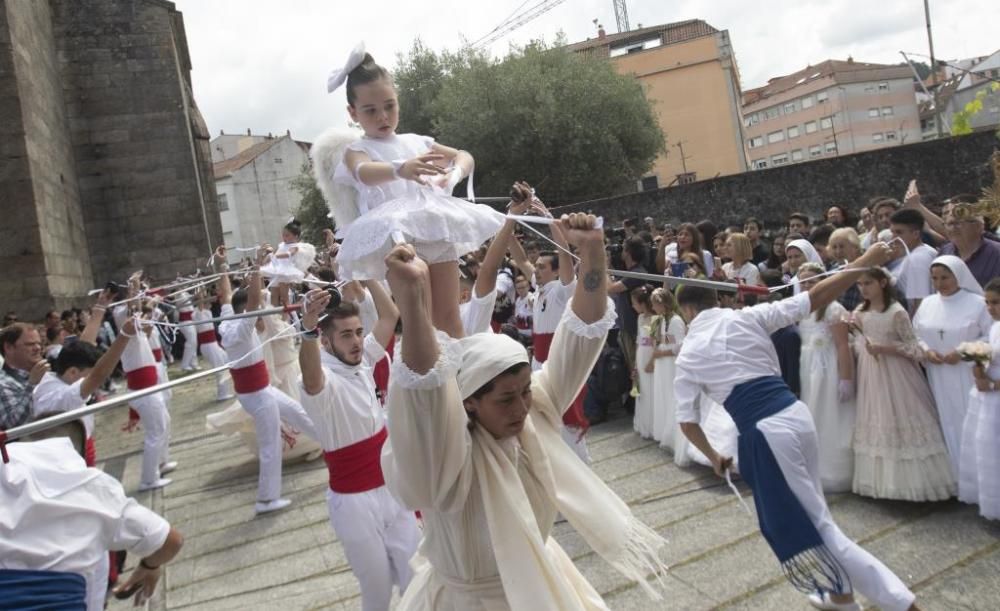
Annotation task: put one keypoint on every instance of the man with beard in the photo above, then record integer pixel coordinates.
(338, 392)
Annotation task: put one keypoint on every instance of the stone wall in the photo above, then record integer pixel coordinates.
(942, 168)
(43, 248)
(139, 142)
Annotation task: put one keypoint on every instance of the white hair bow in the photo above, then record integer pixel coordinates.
(339, 76)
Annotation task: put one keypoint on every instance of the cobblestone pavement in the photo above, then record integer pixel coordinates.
(718, 560)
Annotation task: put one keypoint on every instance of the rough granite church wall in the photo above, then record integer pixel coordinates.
(43, 248)
(139, 141)
(942, 168)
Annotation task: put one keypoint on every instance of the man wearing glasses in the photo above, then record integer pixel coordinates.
(23, 368)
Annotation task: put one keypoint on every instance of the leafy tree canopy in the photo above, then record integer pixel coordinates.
(312, 211)
(566, 122)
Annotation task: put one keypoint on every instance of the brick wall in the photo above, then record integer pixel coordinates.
(942, 168)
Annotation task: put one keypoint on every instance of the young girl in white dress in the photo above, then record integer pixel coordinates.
(899, 452)
(670, 330)
(288, 264)
(979, 481)
(644, 363)
(955, 313)
(402, 187)
(826, 367)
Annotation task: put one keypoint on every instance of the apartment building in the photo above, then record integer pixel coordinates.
(833, 108)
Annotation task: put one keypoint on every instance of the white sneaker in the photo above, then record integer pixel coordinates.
(167, 467)
(160, 483)
(823, 601)
(225, 398)
(269, 506)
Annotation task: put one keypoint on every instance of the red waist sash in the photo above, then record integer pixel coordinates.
(250, 379)
(143, 377)
(186, 316)
(541, 342)
(158, 354)
(206, 337)
(357, 467)
(90, 452)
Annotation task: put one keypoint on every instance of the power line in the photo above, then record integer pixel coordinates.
(515, 22)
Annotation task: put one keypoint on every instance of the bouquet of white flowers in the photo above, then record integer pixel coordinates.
(975, 352)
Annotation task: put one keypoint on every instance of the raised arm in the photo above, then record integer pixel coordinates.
(590, 298)
(388, 314)
(254, 285)
(93, 327)
(224, 287)
(409, 279)
(105, 365)
(310, 363)
(486, 281)
(520, 257)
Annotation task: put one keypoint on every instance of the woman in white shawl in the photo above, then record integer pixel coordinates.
(955, 313)
(475, 445)
(798, 252)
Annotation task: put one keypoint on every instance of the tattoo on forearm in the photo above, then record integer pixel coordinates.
(592, 280)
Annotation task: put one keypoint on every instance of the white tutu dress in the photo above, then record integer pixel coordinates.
(290, 269)
(979, 470)
(441, 227)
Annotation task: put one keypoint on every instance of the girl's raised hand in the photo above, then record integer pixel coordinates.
(415, 169)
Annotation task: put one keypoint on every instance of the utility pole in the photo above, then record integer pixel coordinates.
(621, 15)
(934, 72)
(680, 145)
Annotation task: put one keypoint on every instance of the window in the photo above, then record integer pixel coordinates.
(826, 123)
(810, 127)
(807, 102)
(789, 108)
(771, 113)
(649, 183)
(877, 138)
(822, 96)
(686, 178)
(759, 164)
(890, 136)
(278, 161)
(883, 86)
(869, 88)
(756, 141)
(872, 113)
(781, 159)
(797, 155)
(755, 118)
(746, 121)
(815, 150)
(777, 136)
(831, 147)
(887, 111)
(223, 202)
(793, 132)
(635, 47)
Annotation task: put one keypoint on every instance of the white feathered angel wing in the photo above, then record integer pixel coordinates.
(326, 153)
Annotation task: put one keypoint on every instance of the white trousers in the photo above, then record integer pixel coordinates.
(269, 407)
(189, 358)
(573, 438)
(161, 378)
(216, 357)
(792, 437)
(379, 536)
(156, 435)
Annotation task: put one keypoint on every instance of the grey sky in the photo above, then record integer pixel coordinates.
(262, 64)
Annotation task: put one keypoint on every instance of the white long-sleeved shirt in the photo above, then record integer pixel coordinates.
(724, 348)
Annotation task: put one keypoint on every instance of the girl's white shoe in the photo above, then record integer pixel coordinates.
(823, 601)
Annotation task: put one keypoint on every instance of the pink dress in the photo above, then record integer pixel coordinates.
(899, 451)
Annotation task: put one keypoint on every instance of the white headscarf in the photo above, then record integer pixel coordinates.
(966, 281)
(806, 248)
(339, 76)
(484, 357)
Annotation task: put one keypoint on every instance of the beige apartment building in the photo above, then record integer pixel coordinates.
(833, 108)
(691, 77)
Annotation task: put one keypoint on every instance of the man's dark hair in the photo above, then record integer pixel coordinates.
(553, 258)
(700, 298)
(821, 234)
(886, 201)
(11, 333)
(366, 72)
(629, 223)
(345, 309)
(909, 217)
(636, 249)
(239, 299)
(52, 334)
(755, 221)
(82, 355)
(798, 216)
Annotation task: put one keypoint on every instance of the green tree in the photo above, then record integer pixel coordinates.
(312, 211)
(961, 121)
(567, 123)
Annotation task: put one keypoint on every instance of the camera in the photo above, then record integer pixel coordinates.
(335, 298)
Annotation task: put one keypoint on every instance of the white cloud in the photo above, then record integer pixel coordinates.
(262, 64)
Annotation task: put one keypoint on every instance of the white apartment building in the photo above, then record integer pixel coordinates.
(254, 188)
(834, 108)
